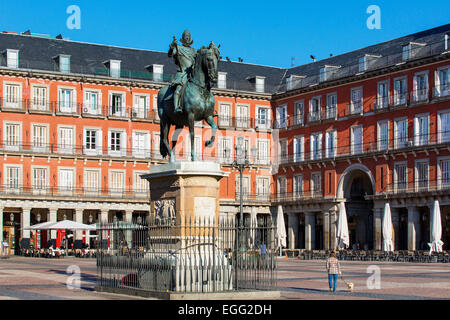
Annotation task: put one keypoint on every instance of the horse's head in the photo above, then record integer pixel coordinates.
(211, 59)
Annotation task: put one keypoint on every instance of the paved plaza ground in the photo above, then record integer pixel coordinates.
(46, 279)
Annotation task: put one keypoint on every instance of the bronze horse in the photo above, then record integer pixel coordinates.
(198, 102)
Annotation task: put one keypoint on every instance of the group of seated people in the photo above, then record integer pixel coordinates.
(55, 252)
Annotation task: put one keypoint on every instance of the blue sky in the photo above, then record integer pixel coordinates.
(260, 32)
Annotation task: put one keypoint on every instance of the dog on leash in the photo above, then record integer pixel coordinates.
(350, 285)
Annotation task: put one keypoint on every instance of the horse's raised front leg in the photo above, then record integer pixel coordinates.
(191, 120)
(165, 140)
(213, 125)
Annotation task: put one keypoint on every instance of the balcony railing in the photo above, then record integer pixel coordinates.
(442, 91)
(420, 96)
(418, 186)
(330, 113)
(297, 196)
(354, 108)
(315, 116)
(250, 197)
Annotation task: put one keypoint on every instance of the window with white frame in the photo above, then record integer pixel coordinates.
(93, 141)
(401, 133)
(262, 118)
(383, 95)
(12, 95)
(141, 106)
(446, 41)
(246, 191)
(222, 81)
(66, 180)
(155, 145)
(444, 126)
(281, 185)
(331, 111)
(299, 112)
(13, 177)
(400, 176)
(298, 185)
(116, 181)
(259, 84)
(114, 68)
(421, 130)
(284, 150)
(299, 148)
(421, 175)
(442, 80)
(224, 115)
(117, 142)
(67, 100)
(158, 70)
(262, 187)
(262, 151)
(39, 98)
(315, 108)
(242, 116)
(39, 137)
(383, 135)
(356, 105)
(12, 135)
(92, 102)
(225, 150)
(66, 139)
(316, 184)
(64, 63)
(141, 144)
(117, 104)
(406, 52)
(282, 117)
(420, 83)
(400, 91)
(140, 186)
(197, 147)
(444, 173)
(39, 178)
(316, 146)
(331, 143)
(362, 64)
(155, 106)
(356, 139)
(12, 58)
(92, 181)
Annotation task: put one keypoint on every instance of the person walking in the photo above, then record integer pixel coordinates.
(334, 269)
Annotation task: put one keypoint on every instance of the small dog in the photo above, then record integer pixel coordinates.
(350, 285)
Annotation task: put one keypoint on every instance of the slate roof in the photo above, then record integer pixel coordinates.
(86, 58)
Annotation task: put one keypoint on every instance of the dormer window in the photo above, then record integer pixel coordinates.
(222, 82)
(446, 41)
(114, 68)
(64, 63)
(259, 84)
(326, 72)
(12, 58)
(410, 50)
(293, 81)
(158, 70)
(362, 64)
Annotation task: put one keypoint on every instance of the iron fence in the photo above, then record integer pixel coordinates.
(187, 255)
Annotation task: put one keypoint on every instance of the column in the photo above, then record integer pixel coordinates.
(396, 227)
(104, 234)
(129, 233)
(1, 233)
(52, 217)
(25, 223)
(293, 230)
(377, 228)
(310, 228)
(78, 241)
(333, 229)
(326, 230)
(413, 228)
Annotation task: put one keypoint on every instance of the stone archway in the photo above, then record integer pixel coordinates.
(355, 183)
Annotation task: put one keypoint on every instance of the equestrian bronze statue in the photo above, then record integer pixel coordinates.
(191, 91)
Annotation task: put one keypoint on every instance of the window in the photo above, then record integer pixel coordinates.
(246, 191)
(284, 151)
(197, 147)
(356, 105)
(155, 143)
(155, 106)
(39, 137)
(66, 179)
(114, 68)
(92, 103)
(224, 115)
(282, 117)
(316, 146)
(12, 136)
(67, 101)
(39, 98)
(242, 115)
(400, 177)
(13, 96)
(401, 133)
(39, 179)
(299, 148)
(263, 152)
(406, 51)
(93, 141)
(222, 81)
(66, 140)
(362, 64)
(13, 178)
(444, 172)
(299, 112)
(262, 187)
(141, 107)
(315, 108)
(422, 175)
(331, 143)
(92, 181)
(259, 82)
(117, 143)
(444, 127)
(225, 150)
(140, 186)
(141, 144)
(383, 135)
(12, 58)
(420, 87)
(331, 111)
(64, 63)
(442, 82)
(298, 185)
(282, 185)
(400, 91)
(383, 95)
(117, 104)
(356, 140)
(323, 74)
(446, 40)
(158, 70)
(421, 130)
(116, 181)
(316, 186)
(263, 118)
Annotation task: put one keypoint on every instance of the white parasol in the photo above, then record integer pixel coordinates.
(281, 229)
(436, 229)
(343, 239)
(388, 244)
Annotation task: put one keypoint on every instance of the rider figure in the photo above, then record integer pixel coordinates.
(184, 57)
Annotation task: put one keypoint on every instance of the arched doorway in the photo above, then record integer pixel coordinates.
(355, 184)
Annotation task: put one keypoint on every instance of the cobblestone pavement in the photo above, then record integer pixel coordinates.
(46, 279)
